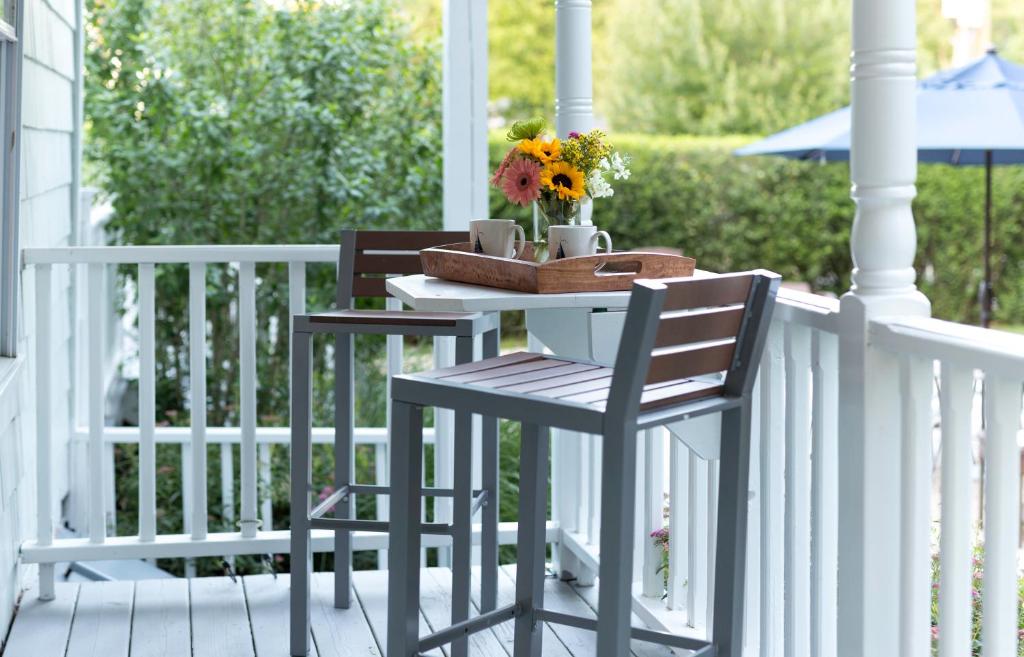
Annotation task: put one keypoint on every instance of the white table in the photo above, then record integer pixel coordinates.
(577, 325)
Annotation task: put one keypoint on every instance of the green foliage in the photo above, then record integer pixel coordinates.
(721, 66)
(232, 122)
(734, 213)
(977, 603)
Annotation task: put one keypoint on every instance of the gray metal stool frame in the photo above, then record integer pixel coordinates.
(365, 256)
(676, 332)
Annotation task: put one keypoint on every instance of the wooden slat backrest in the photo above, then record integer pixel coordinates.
(698, 325)
(687, 327)
(367, 256)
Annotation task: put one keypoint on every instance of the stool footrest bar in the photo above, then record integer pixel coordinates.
(479, 501)
(704, 648)
(372, 489)
(440, 528)
(329, 502)
(467, 627)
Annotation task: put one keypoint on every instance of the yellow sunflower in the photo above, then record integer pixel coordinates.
(545, 151)
(563, 179)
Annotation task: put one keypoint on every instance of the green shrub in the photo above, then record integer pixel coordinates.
(794, 217)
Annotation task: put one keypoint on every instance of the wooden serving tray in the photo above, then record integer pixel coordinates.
(593, 273)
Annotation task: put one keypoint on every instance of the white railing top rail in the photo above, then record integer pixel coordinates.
(997, 352)
(193, 253)
(814, 310)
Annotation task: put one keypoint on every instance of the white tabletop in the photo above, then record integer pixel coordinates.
(428, 293)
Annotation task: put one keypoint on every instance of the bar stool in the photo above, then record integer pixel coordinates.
(365, 258)
(680, 335)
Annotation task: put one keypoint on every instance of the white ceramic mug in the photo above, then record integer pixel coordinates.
(572, 241)
(497, 237)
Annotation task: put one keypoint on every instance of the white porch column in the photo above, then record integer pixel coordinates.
(465, 112)
(574, 86)
(883, 169)
(574, 111)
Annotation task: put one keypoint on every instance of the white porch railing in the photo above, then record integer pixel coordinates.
(972, 363)
(96, 515)
(792, 560)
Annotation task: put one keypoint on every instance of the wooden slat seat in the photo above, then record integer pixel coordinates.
(389, 317)
(567, 380)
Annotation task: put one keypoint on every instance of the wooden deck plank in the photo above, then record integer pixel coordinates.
(103, 620)
(267, 599)
(160, 622)
(220, 620)
(505, 632)
(42, 628)
(436, 586)
(339, 632)
(371, 587)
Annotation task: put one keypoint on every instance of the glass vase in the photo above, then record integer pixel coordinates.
(547, 213)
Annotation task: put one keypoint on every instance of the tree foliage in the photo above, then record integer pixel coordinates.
(237, 122)
(724, 66)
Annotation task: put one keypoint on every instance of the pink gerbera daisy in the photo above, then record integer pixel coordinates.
(521, 182)
(500, 172)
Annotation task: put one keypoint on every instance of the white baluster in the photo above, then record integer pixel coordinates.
(824, 494)
(1002, 508)
(654, 510)
(97, 412)
(197, 397)
(772, 477)
(916, 376)
(247, 397)
(711, 540)
(955, 540)
(678, 505)
(44, 436)
(147, 403)
(697, 576)
(797, 344)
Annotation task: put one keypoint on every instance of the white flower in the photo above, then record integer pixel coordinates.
(598, 186)
(619, 166)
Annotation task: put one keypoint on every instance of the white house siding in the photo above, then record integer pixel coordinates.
(47, 178)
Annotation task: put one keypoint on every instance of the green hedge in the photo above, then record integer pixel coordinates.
(734, 213)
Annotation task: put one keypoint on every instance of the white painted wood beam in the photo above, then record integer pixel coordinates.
(465, 112)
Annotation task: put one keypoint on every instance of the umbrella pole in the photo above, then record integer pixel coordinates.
(986, 286)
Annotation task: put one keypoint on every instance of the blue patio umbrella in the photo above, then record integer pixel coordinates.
(972, 115)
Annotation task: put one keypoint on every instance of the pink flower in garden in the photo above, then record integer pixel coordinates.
(935, 632)
(326, 492)
(521, 182)
(499, 173)
(574, 135)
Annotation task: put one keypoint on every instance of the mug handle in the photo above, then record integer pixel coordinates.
(521, 240)
(607, 240)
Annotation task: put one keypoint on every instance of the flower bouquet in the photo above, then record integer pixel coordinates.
(557, 175)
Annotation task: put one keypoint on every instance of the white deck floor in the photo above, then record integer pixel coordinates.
(218, 617)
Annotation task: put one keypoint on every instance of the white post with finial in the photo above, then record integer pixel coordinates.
(574, 85)
(883, 170)
(574, 111)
